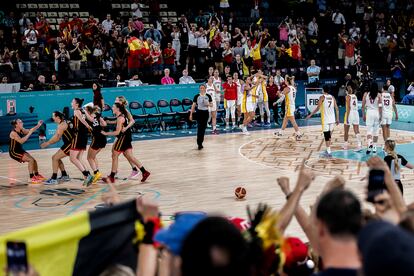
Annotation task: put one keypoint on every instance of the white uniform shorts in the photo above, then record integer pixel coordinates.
(239, 98)
(290, 110)
(214, 107)
(353, 118)
(229, 103)
(386, 119)
(373, 122)
(250, 106)
(328, 127)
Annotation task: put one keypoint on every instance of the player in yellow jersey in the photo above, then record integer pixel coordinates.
(290, 96)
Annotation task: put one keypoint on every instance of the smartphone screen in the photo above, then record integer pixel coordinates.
(16, 256)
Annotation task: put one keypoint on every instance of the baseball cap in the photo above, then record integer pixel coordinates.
(173, 237)
(295, 251)
(386, 249)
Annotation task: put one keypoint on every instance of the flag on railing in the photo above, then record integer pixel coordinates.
(83, 244)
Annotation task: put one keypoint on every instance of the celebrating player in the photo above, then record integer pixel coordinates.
(123, 143)
(262, 98)
(63, 132)
(248, 104)
(93, 114)
(218, 85)
(212, 90)
(239, 84)
(388, 108)
(18, 136)
(372, 110)
(329, 116)
(290, 96)
(351, 117)
(80, 140)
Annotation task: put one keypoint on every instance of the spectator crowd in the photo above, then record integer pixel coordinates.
(366, 38)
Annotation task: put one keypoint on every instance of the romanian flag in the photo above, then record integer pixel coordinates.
(83, 244)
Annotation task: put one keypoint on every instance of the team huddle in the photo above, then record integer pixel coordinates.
(74, 134)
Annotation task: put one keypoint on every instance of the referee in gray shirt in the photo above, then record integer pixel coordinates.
(202, 101)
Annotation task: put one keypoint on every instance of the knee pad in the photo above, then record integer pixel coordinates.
(327, 135)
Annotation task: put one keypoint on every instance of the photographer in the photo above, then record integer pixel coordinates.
(410, 96)
(62, 56)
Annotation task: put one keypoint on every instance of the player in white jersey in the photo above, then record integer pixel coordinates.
(290, 96)
(372, 111)
(239, 95)
(248, 106)
(388, 108)
(211, 90)
(218, 85)
(351, 117)
(329, 117)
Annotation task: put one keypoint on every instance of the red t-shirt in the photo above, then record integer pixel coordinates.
(272, 92)
(230, 91)
(169, 56)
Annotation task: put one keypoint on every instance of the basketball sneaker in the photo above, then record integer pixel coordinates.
(88, 180)
(267, 124)
(369, 149)
(96, 177)
(298, 137)
(64, 178)
(108, 179)
(145, 175)
(34, 180)
(40, 177)
(325, 154)
(134, 175)
(51, 181)
(215, 132)
(374, 149)
(278, 133)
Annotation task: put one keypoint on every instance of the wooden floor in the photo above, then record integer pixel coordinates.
(183, 178)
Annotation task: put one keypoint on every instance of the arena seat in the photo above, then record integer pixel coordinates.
(138, 113)
(168, 116)
(154, 115)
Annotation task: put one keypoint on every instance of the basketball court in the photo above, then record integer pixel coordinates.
(185, 179)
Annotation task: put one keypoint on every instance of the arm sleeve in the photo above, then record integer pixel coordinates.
(404, 161)
(388, 159)
(195, 99)
(209, 98)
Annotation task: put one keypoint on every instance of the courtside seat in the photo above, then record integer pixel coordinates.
(187, 103)
(138, 113)
(168, 116)
(154, 115)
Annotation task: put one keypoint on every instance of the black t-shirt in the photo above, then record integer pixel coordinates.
(75, 54)
(24, 53)
(337, 272)
(202, 101)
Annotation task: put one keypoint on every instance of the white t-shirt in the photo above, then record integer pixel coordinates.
(135, 10)
(192, 40)
(31, 36)
(107, 25)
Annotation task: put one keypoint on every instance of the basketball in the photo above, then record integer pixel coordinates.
(240, 192)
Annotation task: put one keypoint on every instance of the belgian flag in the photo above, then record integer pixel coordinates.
(83, 244)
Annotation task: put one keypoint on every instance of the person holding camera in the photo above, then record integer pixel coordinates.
(395, 161)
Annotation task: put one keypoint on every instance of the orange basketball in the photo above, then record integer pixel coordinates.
(240, 192)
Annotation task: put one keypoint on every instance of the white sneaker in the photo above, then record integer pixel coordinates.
(278, 133)
(227, 128)
(374, 149)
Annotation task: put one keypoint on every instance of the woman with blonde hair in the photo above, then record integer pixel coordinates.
(290, 96)
(395, 161)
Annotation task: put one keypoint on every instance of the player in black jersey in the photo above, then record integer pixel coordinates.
(123, 143)
(18, 136)
(63, 132)
(93, 115)
(80, 140)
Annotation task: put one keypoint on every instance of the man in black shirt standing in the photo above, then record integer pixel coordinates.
(75, 57)
(202, 101)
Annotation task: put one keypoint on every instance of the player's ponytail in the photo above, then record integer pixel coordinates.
(390, 147)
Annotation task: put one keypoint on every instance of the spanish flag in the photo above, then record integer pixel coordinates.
(83, 244)
(134, 44)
